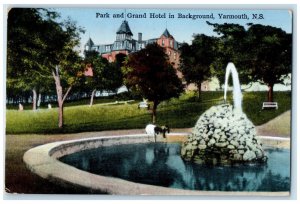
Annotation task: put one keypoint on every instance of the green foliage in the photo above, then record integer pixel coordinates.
(261, 53)
(149, 73)
(177, 113)
(98, 65)
(25, 49)
(36, 43)
(113, 75)
(195, 59)
(39, 48)
(106, 76)
(230, 47)
(270, 50)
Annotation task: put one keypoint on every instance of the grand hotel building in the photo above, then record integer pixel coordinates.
(125, 44)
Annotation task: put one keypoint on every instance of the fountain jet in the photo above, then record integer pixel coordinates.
(237, 94)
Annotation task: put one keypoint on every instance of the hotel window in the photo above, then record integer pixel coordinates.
(163, 43)
(174, 55)
(171, 43)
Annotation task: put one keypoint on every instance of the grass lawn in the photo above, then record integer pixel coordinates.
(177, 113)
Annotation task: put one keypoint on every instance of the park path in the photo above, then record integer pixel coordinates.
(279, 126)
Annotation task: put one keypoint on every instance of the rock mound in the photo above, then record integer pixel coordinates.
(223, 136)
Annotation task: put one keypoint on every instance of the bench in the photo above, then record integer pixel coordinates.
(270, 105)
(144, 105)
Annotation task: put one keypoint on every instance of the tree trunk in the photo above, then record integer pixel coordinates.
(60, 106)
(92, 97)
(60, 114)
(39, 100)
(270, 93)
(199, 90)
(155, 104)
(34, 96)
(60, 97)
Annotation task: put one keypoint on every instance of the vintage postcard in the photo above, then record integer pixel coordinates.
(149, 101)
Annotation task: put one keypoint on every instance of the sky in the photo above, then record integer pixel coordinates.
(103, 30)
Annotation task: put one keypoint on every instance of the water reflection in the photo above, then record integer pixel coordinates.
(161, 164)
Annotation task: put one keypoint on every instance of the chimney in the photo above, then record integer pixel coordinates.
(139, 37)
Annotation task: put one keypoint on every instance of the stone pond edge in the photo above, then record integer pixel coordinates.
(43, 161)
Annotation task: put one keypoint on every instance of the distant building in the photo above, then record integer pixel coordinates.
(125, 44)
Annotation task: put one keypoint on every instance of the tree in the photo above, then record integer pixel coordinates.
(25, 47)
(39, 47)
(149, 73)
(68, 65)
(106, 76)
(97, 64)
(230, 47)
(195, 59)
(270, 54)
(113, 75)
(262, 53)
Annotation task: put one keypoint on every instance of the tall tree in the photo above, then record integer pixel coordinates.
(113, 75)
(106, 76)
(68, 66)
(25, 45)
(149, 73)
(39, 47)
(261, 53)
(231, 47)
(98, 65)
(270, 54)
(195, 59)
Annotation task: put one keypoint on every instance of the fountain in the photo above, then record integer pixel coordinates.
(223, 134)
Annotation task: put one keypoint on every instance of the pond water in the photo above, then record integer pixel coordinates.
(161, 164)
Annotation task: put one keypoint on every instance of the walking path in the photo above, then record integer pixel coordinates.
(279, 126)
